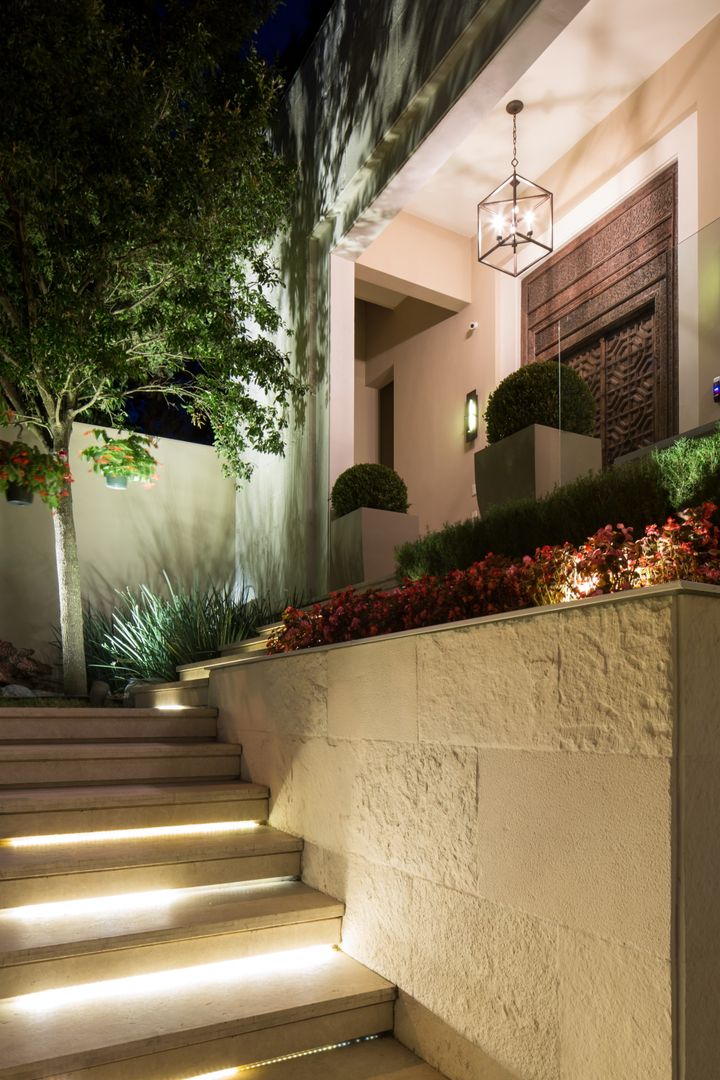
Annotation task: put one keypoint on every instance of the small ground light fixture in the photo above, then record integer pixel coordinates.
(515, 221)
(471, 416)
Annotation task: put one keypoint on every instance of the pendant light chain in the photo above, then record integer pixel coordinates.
(515, 221)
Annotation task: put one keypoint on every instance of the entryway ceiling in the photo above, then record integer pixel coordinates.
(602, 56)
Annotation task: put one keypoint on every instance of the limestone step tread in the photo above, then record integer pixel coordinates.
(189, 684)
(98, 796)
(36, 713)
(377, 1059)
(70, 751)
(68, 859)
(111, 725)
(186, 671)
(192, 913)
(133, 1023)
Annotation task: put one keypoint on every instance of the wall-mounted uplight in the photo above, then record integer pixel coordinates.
(471, 416)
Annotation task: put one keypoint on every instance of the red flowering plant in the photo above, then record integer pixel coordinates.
(46, 475)
(129, 458)
(686, 547)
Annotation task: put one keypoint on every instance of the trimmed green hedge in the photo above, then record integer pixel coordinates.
(635, 494)
(540, 393)
(375, 486)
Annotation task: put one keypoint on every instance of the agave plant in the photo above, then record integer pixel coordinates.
(148, 633)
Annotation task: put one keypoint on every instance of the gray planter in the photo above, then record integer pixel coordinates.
(362, 545)
(530, 463)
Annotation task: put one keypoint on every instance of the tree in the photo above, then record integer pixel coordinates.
(139, 194)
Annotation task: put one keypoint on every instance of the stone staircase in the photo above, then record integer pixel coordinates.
(192, 688)
(178, 941)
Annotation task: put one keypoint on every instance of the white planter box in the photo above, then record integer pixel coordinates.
(362, 545)
(530, 463)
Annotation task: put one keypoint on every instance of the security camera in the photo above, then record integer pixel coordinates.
(473, 326)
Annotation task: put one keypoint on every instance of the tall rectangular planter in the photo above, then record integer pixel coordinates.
(362, 545)
(530, 463)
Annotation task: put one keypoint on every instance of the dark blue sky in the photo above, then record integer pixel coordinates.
(288, 33)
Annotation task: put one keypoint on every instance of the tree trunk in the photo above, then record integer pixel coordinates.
(68, 576)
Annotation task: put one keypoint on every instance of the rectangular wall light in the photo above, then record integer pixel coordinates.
(471, 416)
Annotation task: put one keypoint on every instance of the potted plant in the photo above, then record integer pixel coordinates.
(539, 424)
(120, 460)
(370, 504)
(26, 471)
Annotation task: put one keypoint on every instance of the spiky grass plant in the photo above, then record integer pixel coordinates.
(149, 633)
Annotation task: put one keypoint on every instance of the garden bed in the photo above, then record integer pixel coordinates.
(686, 547)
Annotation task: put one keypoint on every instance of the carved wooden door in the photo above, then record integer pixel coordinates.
(605, 304)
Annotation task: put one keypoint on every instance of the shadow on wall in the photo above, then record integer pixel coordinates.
(185, 526)
(354, 114)
(384, 329)
(369, 61)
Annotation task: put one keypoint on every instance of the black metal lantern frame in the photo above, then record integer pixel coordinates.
(515, 221)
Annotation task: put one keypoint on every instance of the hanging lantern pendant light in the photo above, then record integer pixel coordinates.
(515, 221)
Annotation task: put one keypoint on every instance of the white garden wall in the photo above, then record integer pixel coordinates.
(521, 816)
(185, 525)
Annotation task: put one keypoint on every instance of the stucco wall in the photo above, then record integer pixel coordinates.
(520, 815)
(377, 83)
(184, 525)
(436, 365)
(436, 359)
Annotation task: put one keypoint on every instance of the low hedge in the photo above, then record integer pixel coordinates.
(686, 547)
(638, 493)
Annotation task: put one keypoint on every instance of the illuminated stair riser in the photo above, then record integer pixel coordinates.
(153, 832)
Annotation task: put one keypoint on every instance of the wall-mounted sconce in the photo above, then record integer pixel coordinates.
(515, 221)
(471, 416)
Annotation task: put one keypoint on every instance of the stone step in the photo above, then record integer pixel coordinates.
(95, 725)
(49, 874)
(192, 694)
(193, 926)
(237, 649)
(39, 811)
(193, 671)
(254, 643)
(374, 1059)
(237, 1014)
(29, 765)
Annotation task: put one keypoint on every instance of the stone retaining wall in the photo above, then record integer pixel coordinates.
(521, 815)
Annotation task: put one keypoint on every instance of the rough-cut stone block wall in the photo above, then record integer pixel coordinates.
(501, 806)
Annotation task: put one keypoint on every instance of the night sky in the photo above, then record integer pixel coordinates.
(283, 42)
(288, 33)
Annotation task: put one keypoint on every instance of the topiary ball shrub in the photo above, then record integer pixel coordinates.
(530, 396)
(374, 486)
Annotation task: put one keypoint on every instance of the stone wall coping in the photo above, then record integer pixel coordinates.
(672, 588)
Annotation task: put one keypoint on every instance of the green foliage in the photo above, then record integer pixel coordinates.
(46, 475)
(636, 494)
(140, 195)
(128, 457)
(542, 393)
(148, 634)
(374, 486)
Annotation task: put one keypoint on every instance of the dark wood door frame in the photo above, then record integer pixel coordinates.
(615, 269)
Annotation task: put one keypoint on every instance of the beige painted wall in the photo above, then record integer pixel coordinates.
(505, 808)
(184, 525)
(436, 360)
(436, 364)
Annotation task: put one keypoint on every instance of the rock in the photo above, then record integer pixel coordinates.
(99, 693)
(14, 690)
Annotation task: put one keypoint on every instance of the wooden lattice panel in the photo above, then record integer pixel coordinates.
(621, 370)
(606, 303)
